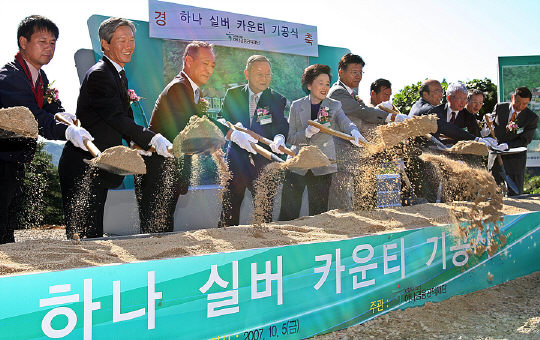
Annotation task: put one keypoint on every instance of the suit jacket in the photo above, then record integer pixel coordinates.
(526, 121)
(454, 130)
(236, 109)
(300, 114)
(421, 107)
(467, 119)
(104, 109)
(16, 90)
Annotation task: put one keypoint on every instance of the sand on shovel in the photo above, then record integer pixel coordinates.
(469, 147)
(20, 120)
(309, 157)
(387, 136)
(198, 130)
(121, 157)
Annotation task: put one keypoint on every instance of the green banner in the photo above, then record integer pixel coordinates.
(288, 292)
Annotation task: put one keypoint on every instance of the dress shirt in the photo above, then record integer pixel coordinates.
(193, 86)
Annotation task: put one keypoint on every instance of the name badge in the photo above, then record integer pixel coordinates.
(264, 116)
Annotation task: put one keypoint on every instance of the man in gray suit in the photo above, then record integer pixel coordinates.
(350, 70)
(514, 126)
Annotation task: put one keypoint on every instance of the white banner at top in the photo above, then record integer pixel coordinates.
(175, 21)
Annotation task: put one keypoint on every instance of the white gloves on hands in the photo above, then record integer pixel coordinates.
(485, 131)
(488, 141)
(70, 117)
(140, 151)
(400, 118)
(243, 140)
(279, 140)
(311, 130)
(501, 147)
(161, 144)
(77, 135)
(357, 138)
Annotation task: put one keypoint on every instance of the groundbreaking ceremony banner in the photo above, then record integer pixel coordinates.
(288, 292)
(175, 21)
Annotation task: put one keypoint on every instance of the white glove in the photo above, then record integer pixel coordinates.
(243, 140)
(387, 104)
(400, 118)
(357, 138)
(311, 130)
(487, 140)
(70, 117)
(140, 151)
(161, 144)
(279, 140)
(501, 147)
(77, 135)
(485, 131)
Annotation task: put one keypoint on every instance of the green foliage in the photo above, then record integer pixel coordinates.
(532, 185)
(519, 75)
(42, 198)
(406, 98)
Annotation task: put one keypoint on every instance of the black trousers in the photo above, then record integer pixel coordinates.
(514, 165)
(293, 188)
(158, 190)
(11, 180)
(84, 192)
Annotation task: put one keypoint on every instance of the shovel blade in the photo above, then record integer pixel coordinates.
(199, 145)
(112, 169)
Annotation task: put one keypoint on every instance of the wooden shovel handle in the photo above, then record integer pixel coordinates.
(152, 148)
(330, 131)
(261, 151)
(265, 140)
(492, 130)
(92, 148)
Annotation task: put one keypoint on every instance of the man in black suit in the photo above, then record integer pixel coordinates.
(167, 179)
(24, 83)
(431, 94)
(259, 108)
(104, 108)
(453, 117)
(514, 126)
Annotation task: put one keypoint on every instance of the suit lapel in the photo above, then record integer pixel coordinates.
(305, 110)
(110, 67)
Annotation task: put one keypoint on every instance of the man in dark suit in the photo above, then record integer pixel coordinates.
(514, 126)
(104, 108)
(24, 83)
(166, 179)
(431, 94)
(453, 117)
(260, 109)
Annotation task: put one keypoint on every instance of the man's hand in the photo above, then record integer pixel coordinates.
(243, 140)
(77, 135)
(357, 138)
(140, 151)
(161, 144)
(70, 117)
(279, 140)
(488, 141)
(401, 117)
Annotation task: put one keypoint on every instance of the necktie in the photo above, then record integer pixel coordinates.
(123, 79)
(197, 95)
(513, 118)
(252, 107)
(453, 119)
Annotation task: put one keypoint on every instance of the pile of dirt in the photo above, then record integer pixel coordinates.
(309, 157)
(19, 120)
(123, 158)
(469, 147)
(199, 135)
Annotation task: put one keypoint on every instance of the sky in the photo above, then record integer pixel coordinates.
(402, 41)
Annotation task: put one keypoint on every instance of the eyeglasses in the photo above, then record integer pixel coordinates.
(475, 102)
(356, 73)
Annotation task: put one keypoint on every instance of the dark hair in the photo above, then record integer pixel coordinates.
(350, 58)
(523, 92)
(474, 92)
(109, 26)
(313, 71)
(425, 86)
(378, 85)
(33, 24)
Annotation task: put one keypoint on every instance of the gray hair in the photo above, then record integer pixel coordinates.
(192, 49)
(454, 88)
(108, 27)
(256, 58)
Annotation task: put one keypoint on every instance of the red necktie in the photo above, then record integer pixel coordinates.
(513, 117)
(453, 119)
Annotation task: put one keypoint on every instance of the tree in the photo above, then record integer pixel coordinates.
(42, 198)
(490, 93)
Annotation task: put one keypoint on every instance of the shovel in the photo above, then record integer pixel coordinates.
(265, 140)
(261, 151)
(18, 122)
(96, 161)
(332, 132)
(509, 182)
(437, 142)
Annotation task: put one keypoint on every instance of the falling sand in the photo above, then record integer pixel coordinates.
(121, 158)
(469, 147)
(199, 135)
(19, 120)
